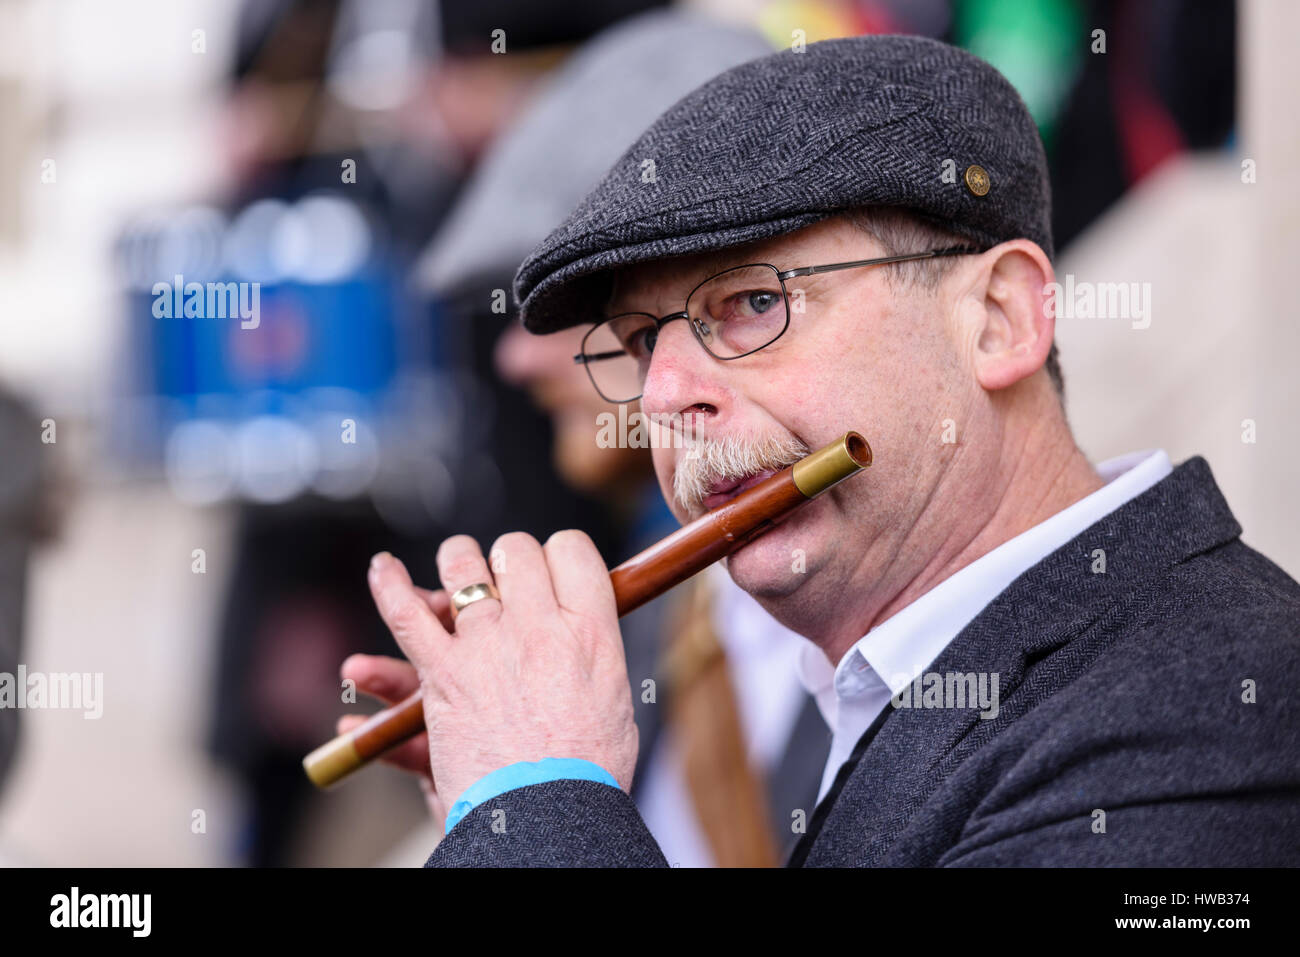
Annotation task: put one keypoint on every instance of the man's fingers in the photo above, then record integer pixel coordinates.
(408, 616)
(578, 574)
(412, 755)
(388, 679)
(522, 577)
(439, 603)
(460, 564)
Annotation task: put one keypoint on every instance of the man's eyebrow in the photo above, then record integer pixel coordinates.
(710, 265)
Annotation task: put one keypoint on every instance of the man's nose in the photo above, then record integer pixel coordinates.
(682, 376)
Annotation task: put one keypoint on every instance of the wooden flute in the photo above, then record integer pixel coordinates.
(638, 580)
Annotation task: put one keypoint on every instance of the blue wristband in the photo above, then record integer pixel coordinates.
(521, 775)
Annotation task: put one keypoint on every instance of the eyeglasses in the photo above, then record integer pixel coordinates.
(733, 314)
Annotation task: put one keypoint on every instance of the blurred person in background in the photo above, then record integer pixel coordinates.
(731, 744)
(410, 94)
(304, 94)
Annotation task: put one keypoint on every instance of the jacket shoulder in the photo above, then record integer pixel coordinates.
(1181, 737)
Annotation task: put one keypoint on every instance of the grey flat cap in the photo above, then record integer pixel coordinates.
(590, 112)
(785, 141)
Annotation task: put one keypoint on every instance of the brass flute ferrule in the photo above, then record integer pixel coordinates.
(831, 465)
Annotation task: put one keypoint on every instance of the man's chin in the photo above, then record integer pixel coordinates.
(772, 566)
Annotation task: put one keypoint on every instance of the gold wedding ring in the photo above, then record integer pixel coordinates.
(463, 597)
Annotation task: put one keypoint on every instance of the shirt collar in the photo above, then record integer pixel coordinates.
(899, 648)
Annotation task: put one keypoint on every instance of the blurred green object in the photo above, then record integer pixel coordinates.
(1037, 44)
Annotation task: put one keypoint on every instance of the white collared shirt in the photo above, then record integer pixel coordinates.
(890, 656)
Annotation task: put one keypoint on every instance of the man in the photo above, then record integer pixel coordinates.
(1123, 663)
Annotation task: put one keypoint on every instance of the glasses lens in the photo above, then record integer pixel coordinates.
(617, 354)
(740, 310)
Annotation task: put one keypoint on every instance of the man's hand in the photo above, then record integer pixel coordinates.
(392, 680)
(538, 674)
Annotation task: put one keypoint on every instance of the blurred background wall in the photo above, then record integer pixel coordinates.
(192, 524)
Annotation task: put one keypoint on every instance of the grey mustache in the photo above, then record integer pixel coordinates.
(730, 458)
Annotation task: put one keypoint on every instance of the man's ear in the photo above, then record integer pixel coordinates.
(1015, 324)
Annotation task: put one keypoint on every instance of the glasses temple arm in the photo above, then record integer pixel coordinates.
(832, 267)
(584, 359)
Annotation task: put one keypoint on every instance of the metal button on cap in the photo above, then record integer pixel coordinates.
(977, 180)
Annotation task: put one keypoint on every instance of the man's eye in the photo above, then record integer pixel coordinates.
(641, 342)
(753, 302)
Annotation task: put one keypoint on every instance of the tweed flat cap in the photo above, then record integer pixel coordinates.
(787, 140)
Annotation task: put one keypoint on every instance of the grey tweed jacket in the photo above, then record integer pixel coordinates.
(1149, 715)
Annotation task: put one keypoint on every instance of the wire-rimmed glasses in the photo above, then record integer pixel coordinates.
(732, 314)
